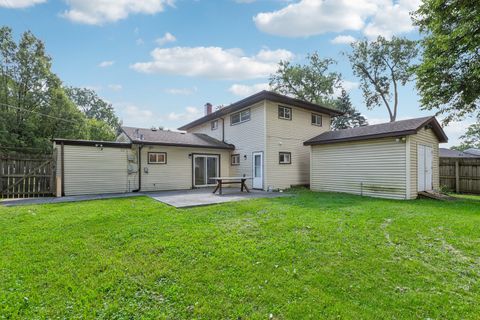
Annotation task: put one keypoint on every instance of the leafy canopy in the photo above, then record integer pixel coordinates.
(448, 78)
(382, 66)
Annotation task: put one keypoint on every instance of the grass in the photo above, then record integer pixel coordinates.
(310, 256)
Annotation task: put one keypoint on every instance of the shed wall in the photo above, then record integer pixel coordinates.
(374, 168)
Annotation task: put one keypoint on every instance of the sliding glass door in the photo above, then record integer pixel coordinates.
(206, 167)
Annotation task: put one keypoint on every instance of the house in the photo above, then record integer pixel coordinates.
(266, 137)
(391, 160)
(259, 137)
(471, 153)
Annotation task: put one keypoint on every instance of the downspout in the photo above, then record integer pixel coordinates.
(223, 129)
(140, 146)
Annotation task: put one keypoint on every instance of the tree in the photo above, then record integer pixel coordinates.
(351, 117)
(382, 66)
(93, 106)
(309, 82)
(471, 138)
(449, 73)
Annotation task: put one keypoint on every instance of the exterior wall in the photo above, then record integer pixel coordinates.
(248, 137)
(428, 138)
(374, 168)
(93, 170)
(288, 136)
(177, 173)
(122, 137)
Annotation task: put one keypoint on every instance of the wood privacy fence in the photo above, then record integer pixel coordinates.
(27, 176)
(461, 175)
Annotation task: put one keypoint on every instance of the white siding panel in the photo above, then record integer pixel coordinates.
(372, 167)
(288, 136)
(247, 137)
(92, 170)
(176, 174)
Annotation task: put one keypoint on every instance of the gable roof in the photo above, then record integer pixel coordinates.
(447, 153)
(390, 129)
(260, 96)
(171, 138)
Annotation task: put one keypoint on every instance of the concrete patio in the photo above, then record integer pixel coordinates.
(177, 199)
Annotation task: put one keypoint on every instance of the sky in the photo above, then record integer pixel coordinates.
(159, 61)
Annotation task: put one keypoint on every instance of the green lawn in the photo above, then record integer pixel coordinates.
(312, 255)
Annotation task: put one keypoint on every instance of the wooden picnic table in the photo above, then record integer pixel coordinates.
(231, 180)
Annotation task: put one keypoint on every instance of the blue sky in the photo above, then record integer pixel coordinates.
(159, 61)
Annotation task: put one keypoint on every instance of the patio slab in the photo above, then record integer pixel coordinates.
(178, 199)
(204, 197)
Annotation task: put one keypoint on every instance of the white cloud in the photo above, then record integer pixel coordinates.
(98, 12)
(246, 90)
(213, 62)
(115, 87)
(139, 42)
(391, 18)
(314, 17)
(135, 116)
(181, 91)
(189, 114)
(454, 130)
(342, 39)
(347, 85)
(17, 4)
(105, 64)
(167, 37)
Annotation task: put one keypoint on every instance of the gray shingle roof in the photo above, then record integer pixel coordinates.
(447, 153)
(390, 129)
(257, 97)
(171, 138)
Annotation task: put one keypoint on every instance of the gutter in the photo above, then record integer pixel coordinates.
(140, 147)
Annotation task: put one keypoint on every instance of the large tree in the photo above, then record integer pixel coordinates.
(449, 74)
(311, 82)
(34, 107)
(314, 82)
(471, 138)
(382, 66)
(351, 118)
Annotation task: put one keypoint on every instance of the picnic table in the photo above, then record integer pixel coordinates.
(231, 180)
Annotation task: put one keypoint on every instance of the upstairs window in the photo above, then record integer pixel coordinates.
(316, 119)
(240, 117)
(157, 157)
(284, 113)
(214, 125)
(235, 160)
(285, 157)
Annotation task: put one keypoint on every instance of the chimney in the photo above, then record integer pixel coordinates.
(208, 108)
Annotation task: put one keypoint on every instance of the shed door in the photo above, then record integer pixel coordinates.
(425, 168)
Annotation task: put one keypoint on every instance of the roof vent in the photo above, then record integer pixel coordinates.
(154, 128)
(141, 137)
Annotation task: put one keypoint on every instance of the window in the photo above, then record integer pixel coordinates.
(157, 157)
(235, 159)
(285, 158)
(214, 124)
(240, 117)
(284, 113)
(316, 119)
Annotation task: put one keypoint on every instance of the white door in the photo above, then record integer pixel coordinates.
(425, 168)
(257, 170)
(205, 167)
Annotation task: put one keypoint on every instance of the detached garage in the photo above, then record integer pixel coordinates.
(390, 160)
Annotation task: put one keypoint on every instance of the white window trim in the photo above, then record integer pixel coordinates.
(214, 125)
(316, 115)
(285, 153)
(235, 156)
(156, 158)
(240, 117)
(284, 108)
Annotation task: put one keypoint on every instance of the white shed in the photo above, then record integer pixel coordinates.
(390, 160)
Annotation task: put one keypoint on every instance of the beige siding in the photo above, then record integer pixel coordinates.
(372, 167)
(428, 138)
(288, 136)
(93, 170)
(177, 173)
(248, 137)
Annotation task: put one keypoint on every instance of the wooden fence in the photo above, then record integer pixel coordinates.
(27, 176)
(461, 175)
